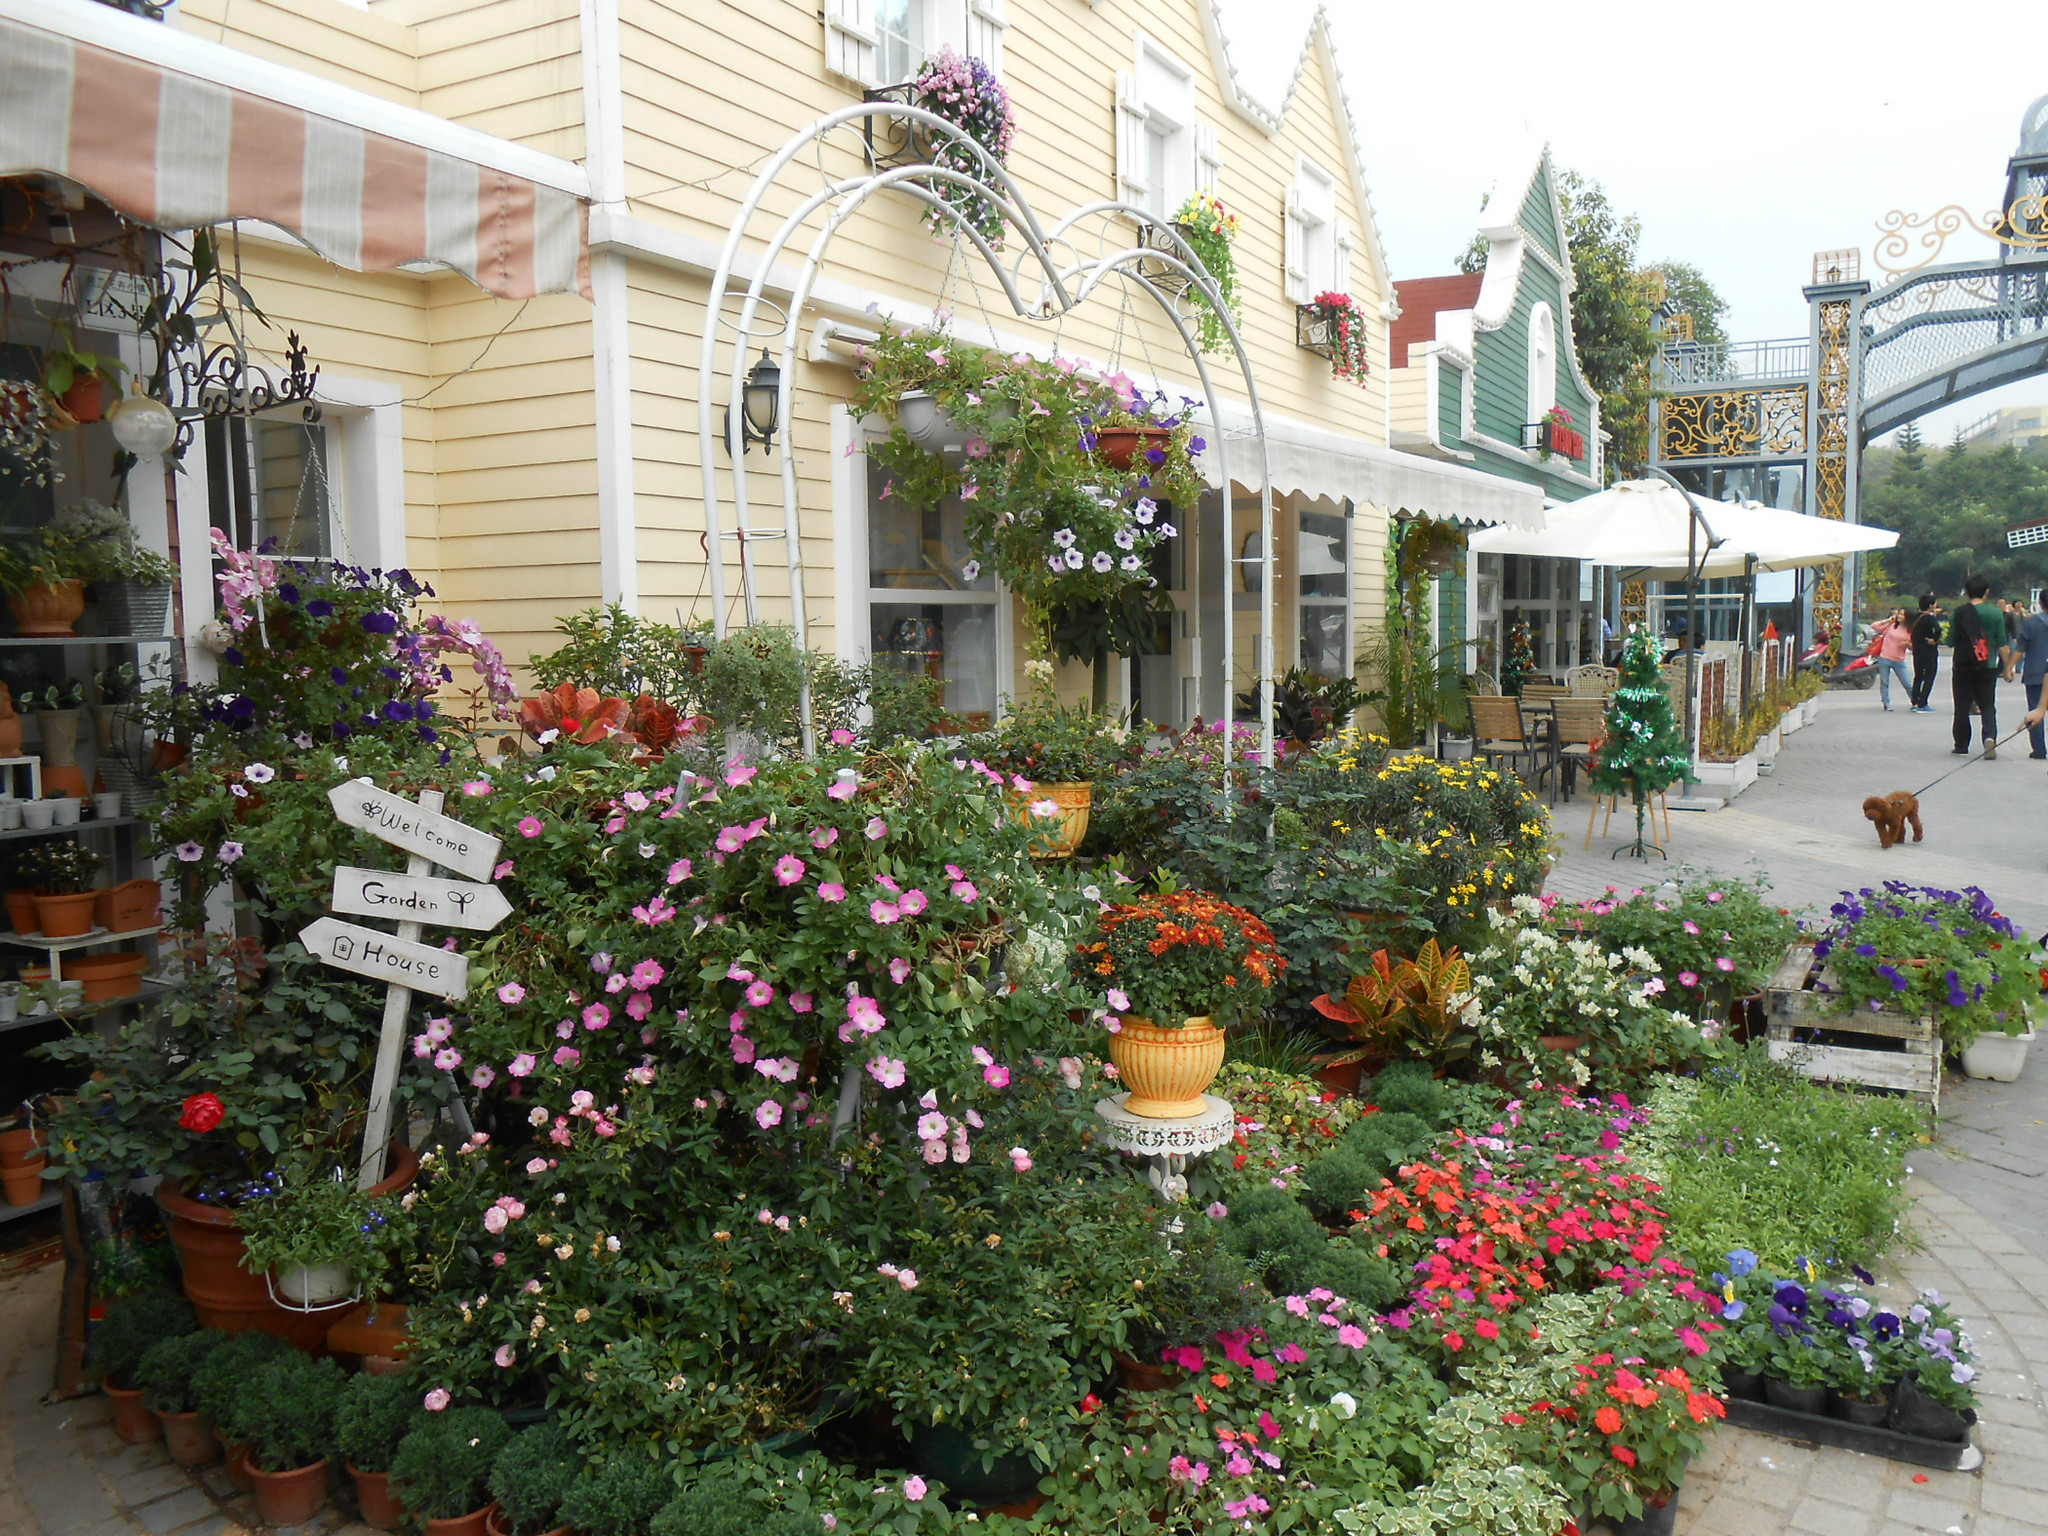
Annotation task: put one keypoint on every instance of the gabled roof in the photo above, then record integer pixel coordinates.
(1269, 116)
(1509, 246)
(1420, 299)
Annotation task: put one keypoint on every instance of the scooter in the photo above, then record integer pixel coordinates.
(1859, 671)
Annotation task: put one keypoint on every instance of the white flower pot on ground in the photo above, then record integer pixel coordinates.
(1793, 719)
(1998, 1057)
(1812, 708)
(1733, 777)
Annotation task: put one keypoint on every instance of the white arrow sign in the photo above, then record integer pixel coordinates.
(419, 899)
(417, 830)
(403, 963)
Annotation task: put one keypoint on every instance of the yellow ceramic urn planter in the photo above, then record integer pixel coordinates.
(1166, 1069)
(1059, 837)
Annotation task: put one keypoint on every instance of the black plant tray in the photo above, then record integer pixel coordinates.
(1871, 1440)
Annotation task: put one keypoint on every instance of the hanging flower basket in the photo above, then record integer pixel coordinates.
(967, 93)
(1334, 327)
(1133, 447)
(1560, 436)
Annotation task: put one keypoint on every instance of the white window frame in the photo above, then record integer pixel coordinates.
(853, 38)
(1542, 381)
(1305, 602)
(1156, 119)
(853, 598)
(1314, 256)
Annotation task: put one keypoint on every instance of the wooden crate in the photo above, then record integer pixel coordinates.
(1909, 1060)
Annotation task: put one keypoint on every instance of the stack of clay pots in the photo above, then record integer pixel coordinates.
(23, 1157)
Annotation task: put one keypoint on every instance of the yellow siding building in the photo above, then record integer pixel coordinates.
(531, 458)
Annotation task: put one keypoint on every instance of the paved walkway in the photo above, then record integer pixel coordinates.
(1986, 826)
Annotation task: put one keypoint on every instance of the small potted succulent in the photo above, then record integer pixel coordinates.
(292, 1434)
(65, 901)
(167, 1377)
(620, 1498)
(124, 1336)
(443, 1467)
(1174, 971)
(374, 1416)
(529, 1481)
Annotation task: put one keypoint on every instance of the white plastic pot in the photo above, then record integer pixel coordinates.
(1998, 1057)
(311, 1286)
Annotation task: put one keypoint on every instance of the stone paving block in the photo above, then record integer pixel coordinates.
(1728, 1517)
(146, 1486)
(1824, 1519)
(2007, 1525)
(1930, 1511)
(1770, 1490)
(218, 1525)
(175, 1512)
(1848, 1480)
(2021, 1504)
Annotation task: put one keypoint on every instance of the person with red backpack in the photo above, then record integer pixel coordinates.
(1982, 655)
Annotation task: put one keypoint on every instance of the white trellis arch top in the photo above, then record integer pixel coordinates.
(1060, 285)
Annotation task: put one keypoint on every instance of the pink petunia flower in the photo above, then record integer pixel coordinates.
(882, 911)
(788, 869)
(739, 773)
(530, 826)
(886, 1070)
(843, 789)
(567, 1055)
(965, 891)
(646, 974)
(504, 868)
(596, 1016)
(801, 1002)
(760, 994)
(679, 871)
(931, 1127)
(824, 837)
(877, 829)
(769, 1113)
(996, 1077)
(913, 902)
(511, 994)
(522, 1064)
(831, 890)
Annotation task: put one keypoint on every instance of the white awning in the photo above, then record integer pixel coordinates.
(1308, 461)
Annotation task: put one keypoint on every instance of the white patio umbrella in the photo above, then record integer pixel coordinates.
(1637, 525)
(1779, 541)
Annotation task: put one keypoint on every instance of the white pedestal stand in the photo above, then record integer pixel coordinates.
(1168, 1144)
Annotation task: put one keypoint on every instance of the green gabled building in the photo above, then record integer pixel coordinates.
(1482, 372)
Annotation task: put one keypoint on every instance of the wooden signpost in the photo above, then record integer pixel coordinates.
(415, 898)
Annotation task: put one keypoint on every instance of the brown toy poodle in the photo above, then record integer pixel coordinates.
(1891, 813)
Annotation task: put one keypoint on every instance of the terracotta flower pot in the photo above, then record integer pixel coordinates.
(189, 1439)
(86, 400)
(494, 1525)
(21, 1146)
(238, 1466)
(21, 910)
(471, 1524)
(24, 1185)
(290, 1498)
(1058, 838)
(225, 1295)
(64, 917)
(48, 610)
(107, 977)
(380, 1511)
(134, 1423)
(130, 905)
(57, 730)
(1121, 447)
(1140, 1377)
(1561, 1042)
(10, 736)
(1341, 1078)
(1166, 1070)
(376, 1332)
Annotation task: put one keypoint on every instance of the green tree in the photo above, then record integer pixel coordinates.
(1951, 514)
(1611, 315)
(1911, 456)
(1644, 750)
(1688, 287)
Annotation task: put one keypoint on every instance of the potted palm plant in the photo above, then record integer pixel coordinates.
(1175, 970)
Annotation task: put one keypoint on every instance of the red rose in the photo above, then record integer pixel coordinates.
(203, 1111)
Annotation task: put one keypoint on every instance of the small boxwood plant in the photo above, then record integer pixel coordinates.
(717, 1505)
(169, 1368)
(443, 1465)
(532, 1476)
(621, 1498)
(131, 1326)
(291, 1419)
(375, 1414)
(220, 1384)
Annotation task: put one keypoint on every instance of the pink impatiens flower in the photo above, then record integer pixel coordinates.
(788, 869)
(1351, 1336)
(913, 1489)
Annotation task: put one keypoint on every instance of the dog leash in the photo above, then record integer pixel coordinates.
(1970, 762)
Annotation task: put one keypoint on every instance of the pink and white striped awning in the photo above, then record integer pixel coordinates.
(176, 132)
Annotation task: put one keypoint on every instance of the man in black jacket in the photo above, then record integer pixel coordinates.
(1926, 653)
(1982, 655)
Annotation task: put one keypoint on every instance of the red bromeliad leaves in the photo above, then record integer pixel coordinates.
(579, 714)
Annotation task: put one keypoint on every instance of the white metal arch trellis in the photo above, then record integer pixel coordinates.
(1061, 288)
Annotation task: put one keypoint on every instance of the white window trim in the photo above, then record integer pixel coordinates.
(851, 439)
(1137, 109)
(1539, 382)
(1309, 221)
(973, 28)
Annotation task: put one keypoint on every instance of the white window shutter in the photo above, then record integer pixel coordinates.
(1130, 139)
(1208, 159)
(1294, 252)
(985, 27)
(850, 39)
(1340, 267)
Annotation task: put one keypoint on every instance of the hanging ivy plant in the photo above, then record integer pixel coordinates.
(1209, 228)
(1066, 529)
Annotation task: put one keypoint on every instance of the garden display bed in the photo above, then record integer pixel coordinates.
(1871, 1440)
(1880, 1049)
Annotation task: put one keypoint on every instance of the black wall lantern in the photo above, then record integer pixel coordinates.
(761, 407)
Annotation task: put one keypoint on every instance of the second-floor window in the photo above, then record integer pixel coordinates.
(1318, 242)
(899, 38)
(1163, 153)
(886, 42)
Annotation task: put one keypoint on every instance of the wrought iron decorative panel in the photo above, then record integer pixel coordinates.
(1729, 424)
(1831, 459)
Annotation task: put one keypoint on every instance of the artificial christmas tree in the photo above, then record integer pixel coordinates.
(1643, 749)
(1518, 662)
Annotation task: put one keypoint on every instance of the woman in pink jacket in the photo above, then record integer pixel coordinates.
(1895, 643)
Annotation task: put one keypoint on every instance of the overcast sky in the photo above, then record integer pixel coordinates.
(1745, 135)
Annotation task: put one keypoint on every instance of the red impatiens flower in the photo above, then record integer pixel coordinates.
(1609, 1421)
(1624, 1455)
(203, 1111)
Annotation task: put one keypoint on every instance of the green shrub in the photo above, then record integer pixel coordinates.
(443, 1465)
(533, 1475)
(621, 1498)
(131, 1326)
(168, 1370)
(1410, 1088)
(292, 1399)
(1335, 1184)
(1285, 1244)
(219, 1383)
(1211, 1290)
(1392, 1138)
(374, 1415)
(717, 1505)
